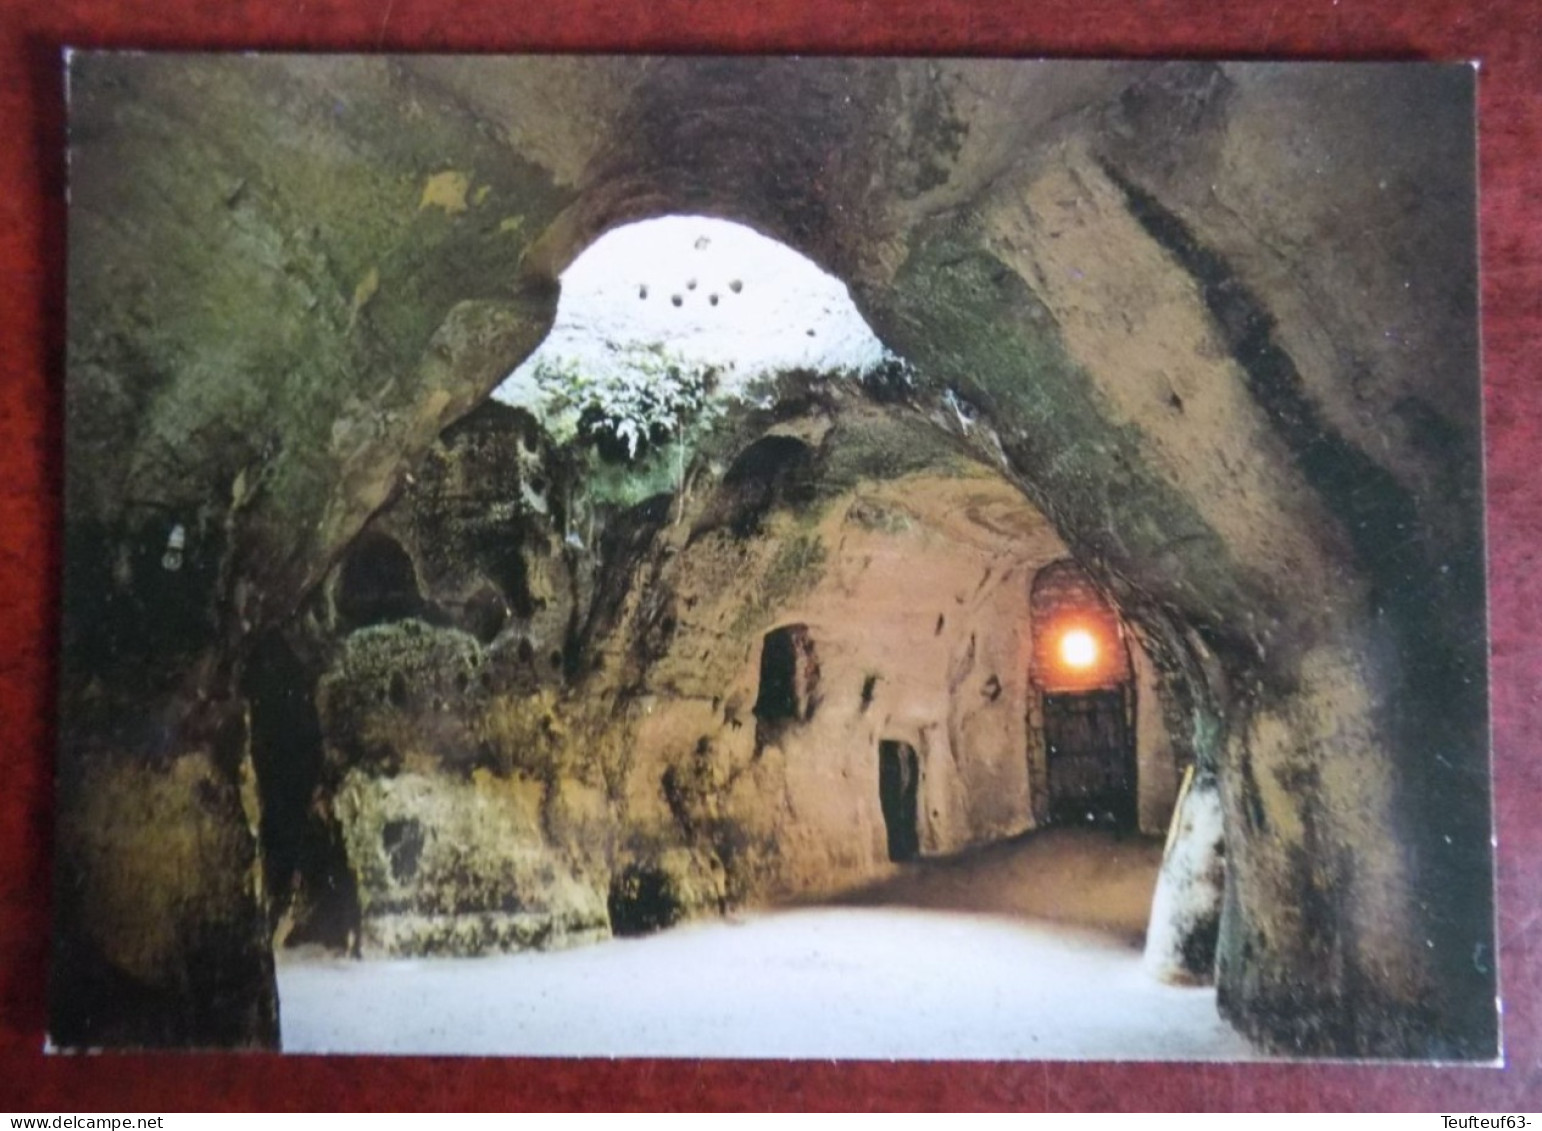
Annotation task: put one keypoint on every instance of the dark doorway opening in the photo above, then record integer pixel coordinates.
(899, 780)
(305, 863)
(1091, 758)
(286, 745)
(642, 900)
(789, 678)
(778, 698)
(377, 584)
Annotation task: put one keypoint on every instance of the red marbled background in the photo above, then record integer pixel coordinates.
(1506, 35)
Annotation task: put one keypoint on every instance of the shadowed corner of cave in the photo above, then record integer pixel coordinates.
(731, 613)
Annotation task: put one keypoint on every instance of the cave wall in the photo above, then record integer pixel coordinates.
(1269, 547)
(276, 296)
(1216, 321)
(1159, 761)
(489, 798)
(914, 603)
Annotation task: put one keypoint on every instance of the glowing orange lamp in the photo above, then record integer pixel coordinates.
(1078, 649)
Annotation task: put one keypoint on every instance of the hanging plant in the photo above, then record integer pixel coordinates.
(642, 400)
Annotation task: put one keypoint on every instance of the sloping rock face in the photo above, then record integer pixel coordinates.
(1215, 322)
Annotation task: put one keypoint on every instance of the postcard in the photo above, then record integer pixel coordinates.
(773, 557)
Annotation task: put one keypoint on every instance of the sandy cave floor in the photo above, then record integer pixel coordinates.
(1026, 950)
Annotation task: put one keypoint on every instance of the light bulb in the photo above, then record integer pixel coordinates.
(1078, 649)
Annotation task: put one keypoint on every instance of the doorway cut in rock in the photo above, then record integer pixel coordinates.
(789, 676)
(1091, 757)
(899, 787)
(1083, 675)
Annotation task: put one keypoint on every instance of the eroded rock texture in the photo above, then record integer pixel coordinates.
(344, 649)
(682, 708)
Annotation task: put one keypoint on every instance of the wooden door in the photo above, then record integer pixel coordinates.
(1091, 758)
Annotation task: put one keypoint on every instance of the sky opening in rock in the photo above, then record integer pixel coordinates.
(699, 291)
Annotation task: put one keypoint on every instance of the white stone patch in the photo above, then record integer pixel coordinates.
(1189, 886)
(692, 292)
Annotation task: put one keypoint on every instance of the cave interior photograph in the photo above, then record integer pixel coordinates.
(773, 557)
